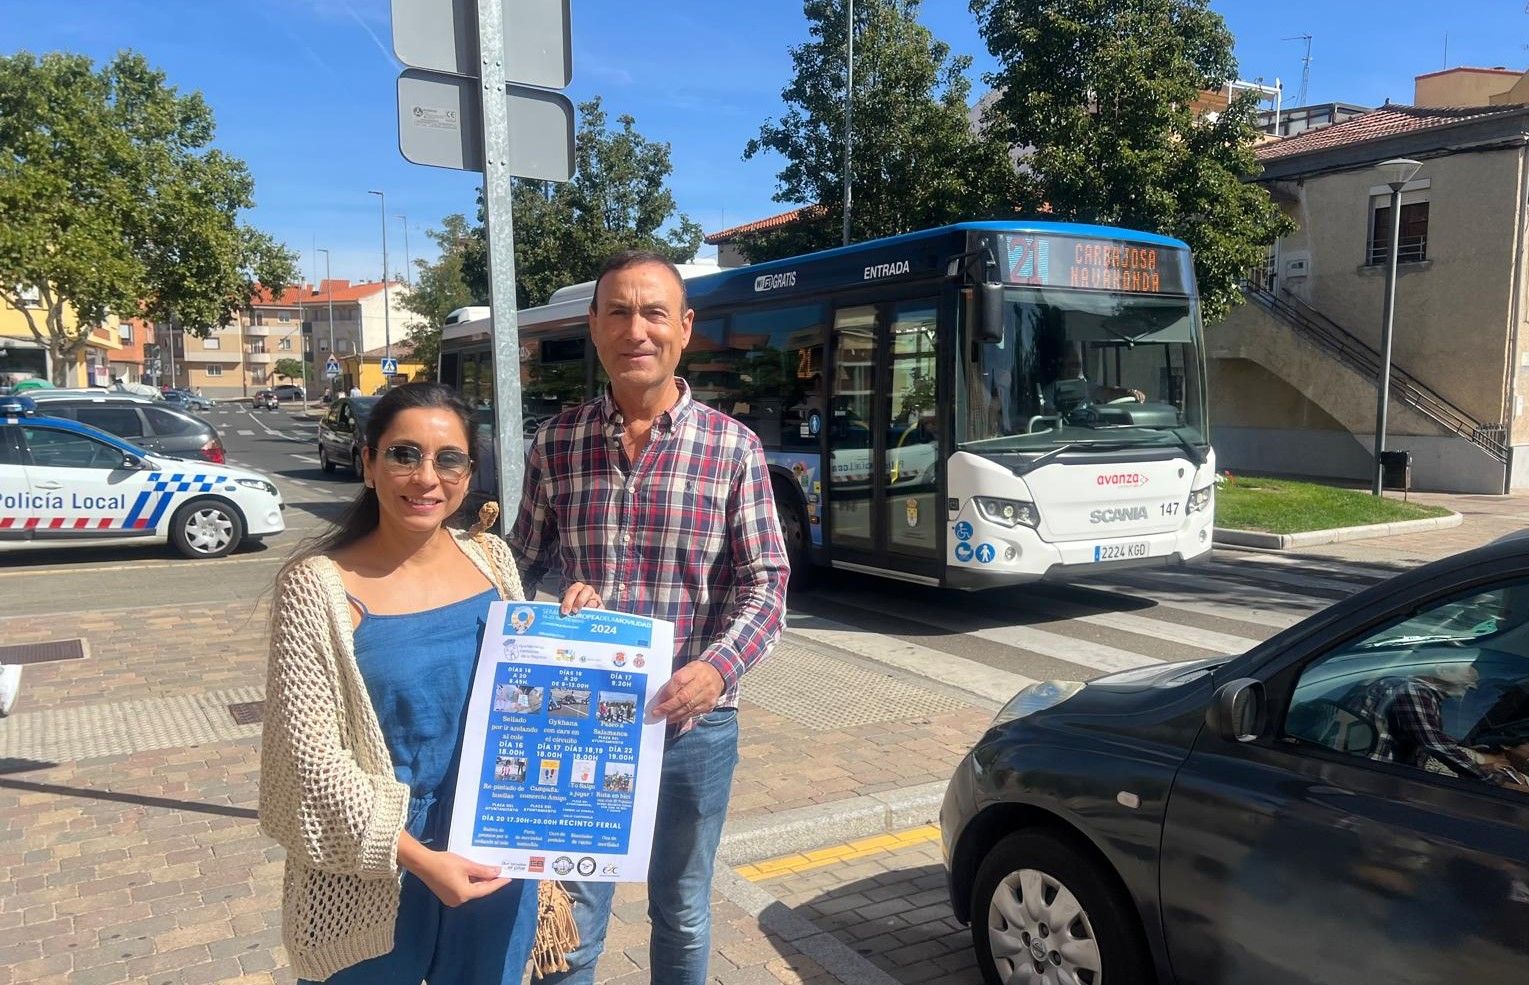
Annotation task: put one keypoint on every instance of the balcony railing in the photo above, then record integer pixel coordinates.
(260, 357)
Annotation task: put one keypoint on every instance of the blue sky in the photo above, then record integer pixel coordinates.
(304, 89)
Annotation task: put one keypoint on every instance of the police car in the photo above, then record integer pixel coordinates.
(63, 483)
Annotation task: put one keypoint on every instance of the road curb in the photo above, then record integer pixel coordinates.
(1311, 538)
(752, 839)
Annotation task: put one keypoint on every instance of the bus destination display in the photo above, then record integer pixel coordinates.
(1093, 264)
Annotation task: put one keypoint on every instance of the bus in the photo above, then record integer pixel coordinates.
(972, 406)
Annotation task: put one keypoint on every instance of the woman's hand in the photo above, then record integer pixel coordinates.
(453, 879)
(580, 596)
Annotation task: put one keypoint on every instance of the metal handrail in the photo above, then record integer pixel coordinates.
(1405, 388)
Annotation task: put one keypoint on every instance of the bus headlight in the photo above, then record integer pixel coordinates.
(1199, 499)
(1007, 512)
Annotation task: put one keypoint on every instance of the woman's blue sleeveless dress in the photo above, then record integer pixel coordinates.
(418, 670)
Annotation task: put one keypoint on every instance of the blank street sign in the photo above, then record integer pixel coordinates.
(439, 125)
(442, 36)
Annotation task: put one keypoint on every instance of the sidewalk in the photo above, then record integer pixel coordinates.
(128, 844)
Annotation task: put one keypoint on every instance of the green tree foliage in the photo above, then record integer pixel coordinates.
(113, 201)
(618, 200)
(1099, 93)
(917, 160)
(289, 369)
(441, 287)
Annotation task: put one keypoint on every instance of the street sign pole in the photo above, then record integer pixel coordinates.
(500, 230)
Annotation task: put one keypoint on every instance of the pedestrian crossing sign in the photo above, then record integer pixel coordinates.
(390, 367)
(332, 368)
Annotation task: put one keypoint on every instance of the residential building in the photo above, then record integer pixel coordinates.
(1298, 119)
(364, 370)
(135, 336)
(358, 320)
(22, 356)
(1465, 86)
(211, 364)
(1293, 376)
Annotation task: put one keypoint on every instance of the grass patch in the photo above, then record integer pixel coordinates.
(1280, 506)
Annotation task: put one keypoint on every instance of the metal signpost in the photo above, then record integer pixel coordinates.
(475, 98)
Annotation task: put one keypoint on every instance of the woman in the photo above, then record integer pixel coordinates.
(375, 630)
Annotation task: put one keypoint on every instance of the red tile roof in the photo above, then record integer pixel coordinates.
(1387, 121)
(344, 290)
(403, 350)
(762, 225)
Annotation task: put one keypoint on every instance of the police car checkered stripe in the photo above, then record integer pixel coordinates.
(180, 482)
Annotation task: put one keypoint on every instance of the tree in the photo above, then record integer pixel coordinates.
(1102, 93)
(441, 286)
(618, 200)
(917, 162)
(290, 369)
(114, 202)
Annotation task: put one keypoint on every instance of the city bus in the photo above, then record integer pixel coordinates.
(971, 406)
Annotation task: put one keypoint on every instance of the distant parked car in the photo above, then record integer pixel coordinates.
(289, 391)
(266, 400)
(342, 433)
(186, 400)
(156, 426)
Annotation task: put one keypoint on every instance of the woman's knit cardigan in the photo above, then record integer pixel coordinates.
(327, 789)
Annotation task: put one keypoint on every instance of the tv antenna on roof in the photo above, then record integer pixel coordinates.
(1300, 100)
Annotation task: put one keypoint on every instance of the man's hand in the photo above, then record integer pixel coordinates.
(580, 596)
(693, 690)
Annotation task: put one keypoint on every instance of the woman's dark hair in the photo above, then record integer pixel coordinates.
(363, 515)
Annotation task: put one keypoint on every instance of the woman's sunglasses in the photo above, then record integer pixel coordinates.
(450, 464)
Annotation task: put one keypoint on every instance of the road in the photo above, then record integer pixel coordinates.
(989, 643)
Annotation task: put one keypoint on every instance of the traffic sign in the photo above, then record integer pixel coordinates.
(390, 367)
(332, 368)
(442, 36)
(440, 124)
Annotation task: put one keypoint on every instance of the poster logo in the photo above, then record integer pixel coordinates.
(619, 659)
(562, 865)
(586, 866)
(537, 863)
(521, 619)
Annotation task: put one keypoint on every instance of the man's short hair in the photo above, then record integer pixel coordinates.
(636, 258)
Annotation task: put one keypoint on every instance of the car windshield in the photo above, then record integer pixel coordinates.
(361, 407)
(1080, 368)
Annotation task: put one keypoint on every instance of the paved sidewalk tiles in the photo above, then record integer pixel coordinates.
(890, 906)
(128, 844)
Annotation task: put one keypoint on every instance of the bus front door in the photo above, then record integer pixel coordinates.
(884, 463)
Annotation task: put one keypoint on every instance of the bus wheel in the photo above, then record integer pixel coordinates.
(794, 531)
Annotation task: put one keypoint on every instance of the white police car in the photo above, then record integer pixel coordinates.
(63, 483)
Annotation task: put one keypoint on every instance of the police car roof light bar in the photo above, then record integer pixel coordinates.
(17, 406)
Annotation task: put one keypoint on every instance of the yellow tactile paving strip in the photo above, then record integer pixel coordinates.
(834, 854)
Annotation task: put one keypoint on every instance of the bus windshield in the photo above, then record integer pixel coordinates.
(1085, 368)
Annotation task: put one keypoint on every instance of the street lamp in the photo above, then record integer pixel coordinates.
(329, 290)
(408, 265)
(1397, 172)
(387, 330)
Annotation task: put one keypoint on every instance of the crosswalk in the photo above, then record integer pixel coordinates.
(991, 644)
(247, 424)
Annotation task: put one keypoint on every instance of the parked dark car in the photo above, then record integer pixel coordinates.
(265, 400)
(153, 425)
(342, 433)
(1345, 802)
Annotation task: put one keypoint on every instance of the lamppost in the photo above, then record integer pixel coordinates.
(387, 330)
(408, 265)
(329, 291)
(1397, 172)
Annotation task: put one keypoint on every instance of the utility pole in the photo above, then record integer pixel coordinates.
(849, 106)
(387, 329)
(408, 265)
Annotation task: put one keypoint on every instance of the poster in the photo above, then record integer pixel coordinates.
(560, 769)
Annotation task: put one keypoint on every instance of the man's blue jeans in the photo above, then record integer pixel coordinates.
(692, 804)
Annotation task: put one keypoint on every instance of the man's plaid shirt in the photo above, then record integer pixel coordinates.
(688, 534)
(1406, 713)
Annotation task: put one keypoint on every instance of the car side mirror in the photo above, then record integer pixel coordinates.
(1238, 710)
(133, 462)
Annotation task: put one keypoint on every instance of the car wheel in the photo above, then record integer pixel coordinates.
(206, 528)
(355, 464)
(1044, 912)
(324, 462)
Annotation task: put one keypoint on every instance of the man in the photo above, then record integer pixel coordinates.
(1073, 389)
(1407, 713)
(662, 507)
